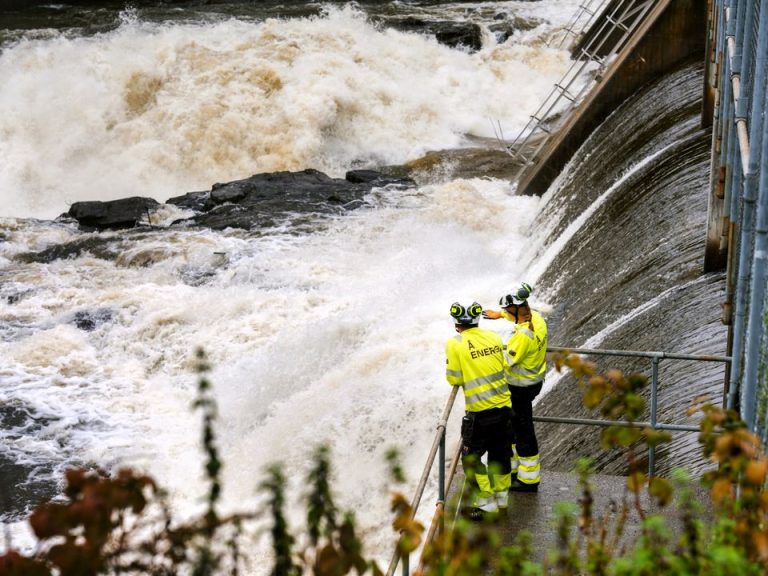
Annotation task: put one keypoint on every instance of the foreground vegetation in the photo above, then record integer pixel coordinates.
(122, 524)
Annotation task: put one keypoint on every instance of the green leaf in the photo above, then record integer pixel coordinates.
(661, 489)
(636, 480)
(656, 437)
(593, 396)
(628, 436)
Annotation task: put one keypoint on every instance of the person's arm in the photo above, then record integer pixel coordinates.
(453, 372)
(496, 314)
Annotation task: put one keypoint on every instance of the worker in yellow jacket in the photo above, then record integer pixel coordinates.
(475, 361)
(526, 367)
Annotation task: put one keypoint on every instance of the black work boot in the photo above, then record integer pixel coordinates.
(518, 486)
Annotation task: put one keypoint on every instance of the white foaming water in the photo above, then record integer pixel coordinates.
(336, 336)
(157, 111)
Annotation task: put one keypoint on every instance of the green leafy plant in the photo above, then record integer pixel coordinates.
(121, 523)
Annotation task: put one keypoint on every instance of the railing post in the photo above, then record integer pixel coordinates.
(654, 407)
(441, 471)
(441, 488)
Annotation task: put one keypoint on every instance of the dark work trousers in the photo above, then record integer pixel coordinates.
(522, 433)
(488, 433)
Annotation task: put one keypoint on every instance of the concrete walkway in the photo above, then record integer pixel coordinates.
(536, 513)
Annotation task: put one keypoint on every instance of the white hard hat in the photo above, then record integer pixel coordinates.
(517, 297)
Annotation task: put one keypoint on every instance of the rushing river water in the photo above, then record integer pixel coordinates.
(329, 334)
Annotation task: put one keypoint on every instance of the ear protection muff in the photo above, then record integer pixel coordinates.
(466, 316)
(520, 296)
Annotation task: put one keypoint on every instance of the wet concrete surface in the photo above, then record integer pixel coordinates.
(537, 513)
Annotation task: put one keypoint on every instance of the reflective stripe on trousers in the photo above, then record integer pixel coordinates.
(515, 461)
(487, 487)
(529, 470)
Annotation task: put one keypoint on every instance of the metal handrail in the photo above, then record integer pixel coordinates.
(640, 354)
(655, 358)
(437, 517)
(438, 444)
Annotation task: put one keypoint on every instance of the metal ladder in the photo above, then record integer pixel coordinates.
(624, 17)
(580, 22)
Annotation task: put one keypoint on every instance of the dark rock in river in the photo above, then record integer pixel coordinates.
(453, 34)
(464, 163)
(264, 199)
(506, 27)
(260, 201)
(13, 292)
(288, 188)
(112, 215)
(192, 200)
(89, 320)
(376, 179)
(463, 34)
(98, 246)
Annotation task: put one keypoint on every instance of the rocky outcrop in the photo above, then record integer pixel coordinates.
(89, 320)
(259, 201)
(264, 199)
(454, 34)
(112, 215)
(467, 34)
(505, 26)
(465, 163)
(97, 245)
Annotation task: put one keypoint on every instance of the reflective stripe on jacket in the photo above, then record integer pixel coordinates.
(474, 360)
(526, 350)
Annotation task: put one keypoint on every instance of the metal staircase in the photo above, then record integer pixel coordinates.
(609, 24)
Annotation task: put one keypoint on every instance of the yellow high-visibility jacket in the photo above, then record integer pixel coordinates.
(475, 360)
(526, 350)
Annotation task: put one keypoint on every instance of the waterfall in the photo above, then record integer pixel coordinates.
(333, 332)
